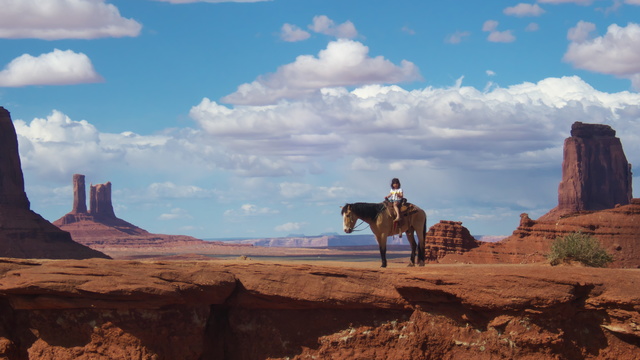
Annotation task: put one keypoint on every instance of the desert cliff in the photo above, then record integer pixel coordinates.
(93, 309)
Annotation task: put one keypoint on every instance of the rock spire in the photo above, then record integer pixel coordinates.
(23, 233)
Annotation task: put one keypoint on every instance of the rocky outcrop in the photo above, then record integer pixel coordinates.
(79, 195)
(100, 201)
(595, 171)
(101, 229)
(244, 310)
(448, 237)
(23, 233)
(594, 197)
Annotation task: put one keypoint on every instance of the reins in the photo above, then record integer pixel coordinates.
(355, 228)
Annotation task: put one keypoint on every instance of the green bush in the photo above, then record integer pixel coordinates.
(580, 247)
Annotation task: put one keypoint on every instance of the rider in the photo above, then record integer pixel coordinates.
(395, 196)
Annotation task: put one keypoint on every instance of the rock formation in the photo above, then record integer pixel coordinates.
(595, 171)
(101, 229)
(192, 310)
(23, 233)
(594, 197)
(448, 237)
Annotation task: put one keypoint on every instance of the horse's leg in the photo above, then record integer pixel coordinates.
(382, 243)
(412, 242)
(421, 242)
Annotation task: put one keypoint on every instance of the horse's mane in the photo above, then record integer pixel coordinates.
(365, 211)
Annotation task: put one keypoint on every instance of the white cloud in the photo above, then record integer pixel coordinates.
(64, 19)
(249, 210)
(292, 33)
(54, 68)
(532, 27)
(290, 226)
(457, 37)
(581, 32)
(616, 53)
(175, 214)
(632, 2)
(342, 63)
(491, 26)
(323, 25)
(169, 190)
(523, 9)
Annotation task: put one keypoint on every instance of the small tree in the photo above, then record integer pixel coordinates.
(580, 247)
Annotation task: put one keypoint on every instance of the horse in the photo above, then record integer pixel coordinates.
(382, 225)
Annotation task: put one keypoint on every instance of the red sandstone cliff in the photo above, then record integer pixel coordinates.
(244, 310)
(595, 171)
(594, 197)
(23, 233)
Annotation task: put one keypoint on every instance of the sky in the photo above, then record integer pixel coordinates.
(256, 118)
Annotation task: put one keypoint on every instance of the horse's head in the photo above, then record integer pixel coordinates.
(348, 219)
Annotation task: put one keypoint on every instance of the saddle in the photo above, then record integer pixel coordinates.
(404, 207)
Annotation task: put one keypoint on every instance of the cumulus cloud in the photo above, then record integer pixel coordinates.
(290, 226)
(249, 210)
(343, 63)
(292, 33)
(457, 37)
(323, 25)
(523, 9)
(64, 19)
(615, 53)
(532, 27)
(175, 214)
(169, 190)
(54, 68)
(491, 26)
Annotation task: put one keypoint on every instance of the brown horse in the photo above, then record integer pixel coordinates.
(382, 225)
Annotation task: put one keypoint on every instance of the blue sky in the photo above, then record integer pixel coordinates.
(261, 118)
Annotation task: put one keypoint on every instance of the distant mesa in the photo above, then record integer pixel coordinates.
(594, 197)
(23, 233)
(99, 227)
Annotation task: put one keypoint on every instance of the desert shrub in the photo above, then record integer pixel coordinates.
(579, 247)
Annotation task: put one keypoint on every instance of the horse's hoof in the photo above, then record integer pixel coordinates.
(411, 265)
(421, 264)
(383, 265)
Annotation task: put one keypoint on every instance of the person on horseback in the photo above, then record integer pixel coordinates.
(395, 196)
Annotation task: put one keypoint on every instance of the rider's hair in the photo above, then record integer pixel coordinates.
(395, 181)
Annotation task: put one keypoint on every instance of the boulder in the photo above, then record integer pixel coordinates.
(448, 237)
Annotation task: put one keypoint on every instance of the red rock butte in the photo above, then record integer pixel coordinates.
(100, 228)
(23, 233)
(594, 197)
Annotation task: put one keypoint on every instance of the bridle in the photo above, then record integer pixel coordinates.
(356, 226)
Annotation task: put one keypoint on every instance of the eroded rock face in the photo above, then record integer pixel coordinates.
(100, 201)
(226, 310)
(101, 229)
(595, 171)
(79, 195)
(594, 197)
(11, 180)
(448, 237)
(23, 233)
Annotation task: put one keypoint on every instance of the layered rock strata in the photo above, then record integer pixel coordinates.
(594, 197)
(448, 237)
(595, 171)
(100, 228)
(232, 310)
(23, 233)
